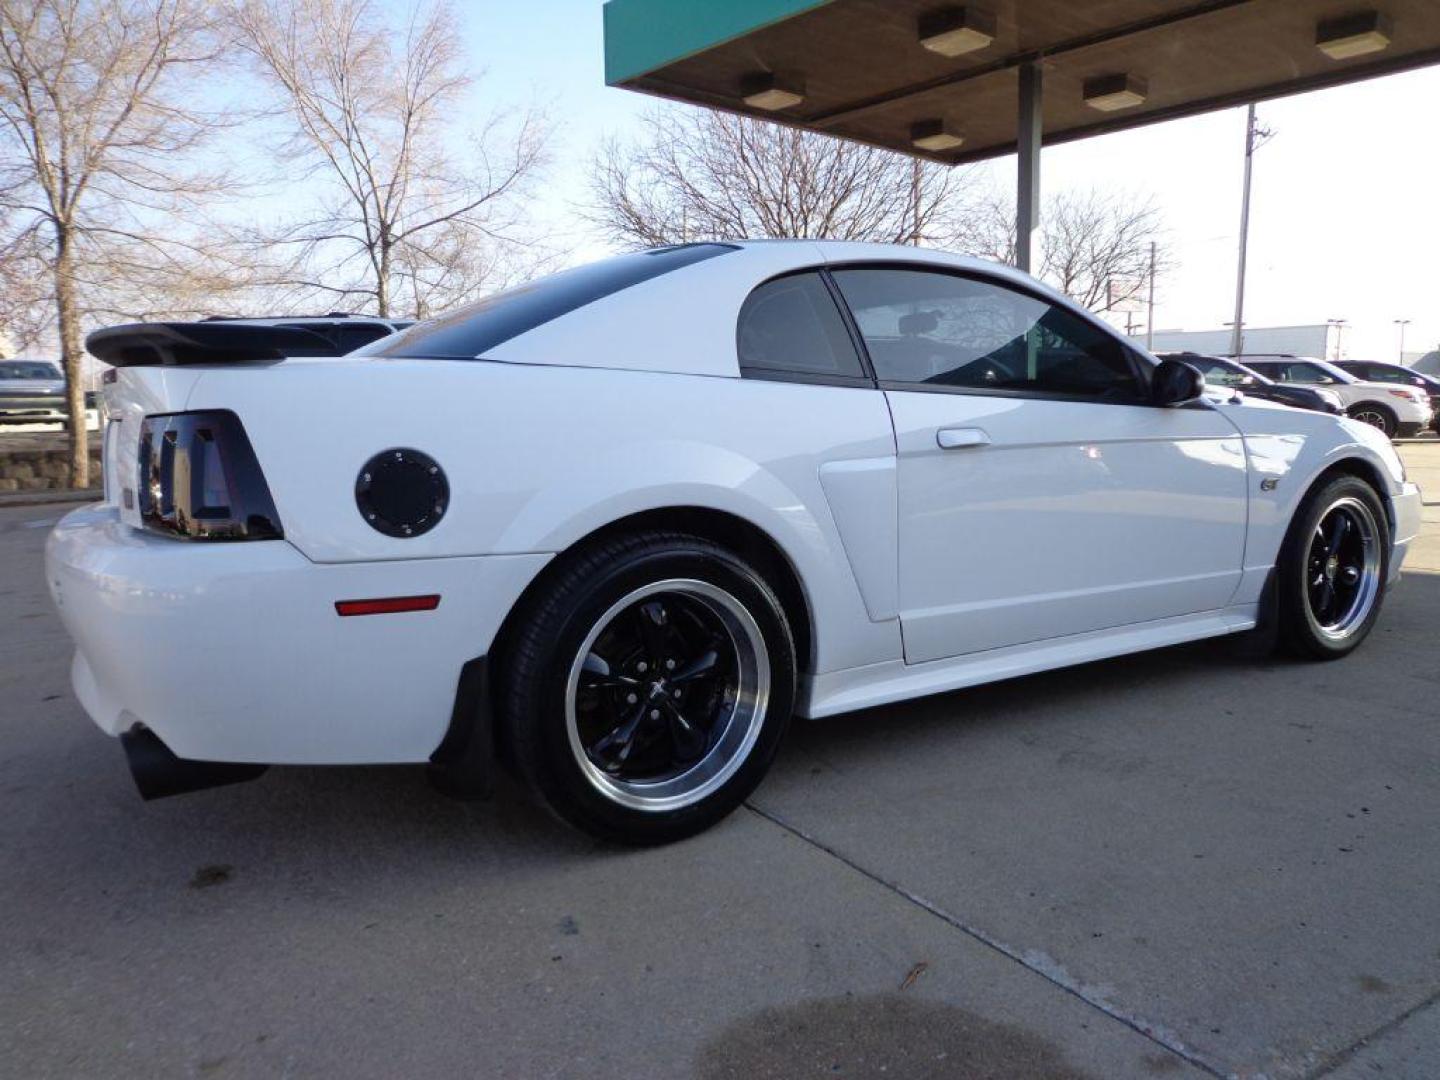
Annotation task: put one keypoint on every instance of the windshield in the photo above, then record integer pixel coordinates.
(28, 369)
(1338, 374)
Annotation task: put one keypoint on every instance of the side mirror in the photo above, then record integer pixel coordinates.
(1175, 383)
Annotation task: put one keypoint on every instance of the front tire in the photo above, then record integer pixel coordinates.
(1377, 416)
(647, 687)
(1333, 568)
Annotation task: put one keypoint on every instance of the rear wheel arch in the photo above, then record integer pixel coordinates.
(728, 530)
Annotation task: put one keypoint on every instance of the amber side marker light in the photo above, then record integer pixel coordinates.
(388, 605)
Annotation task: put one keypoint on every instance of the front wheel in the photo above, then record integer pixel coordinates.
(1333, 568)
(648, 687)
(1377, 416)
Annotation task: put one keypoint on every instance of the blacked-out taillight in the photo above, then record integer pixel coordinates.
(199, 479)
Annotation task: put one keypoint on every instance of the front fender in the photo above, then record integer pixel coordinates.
(1286, 464)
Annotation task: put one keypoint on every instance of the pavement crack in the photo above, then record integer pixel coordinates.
(1340, 1057)
(1032, 960)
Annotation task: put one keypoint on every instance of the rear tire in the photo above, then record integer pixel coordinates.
(1377, 416)
(647, 687)
(1332, 569)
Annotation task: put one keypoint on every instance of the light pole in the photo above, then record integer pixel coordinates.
(1255, 136)
(1238, 335)
(1402, 323)
(1339, 325)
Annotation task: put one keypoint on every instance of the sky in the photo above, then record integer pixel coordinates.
(1345, 216)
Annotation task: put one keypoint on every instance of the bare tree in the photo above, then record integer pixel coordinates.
(1094, 246)
(94, 126)
(418, 210)
(27, 310)
(700, 174)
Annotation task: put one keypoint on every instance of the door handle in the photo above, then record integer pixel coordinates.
(959, 438)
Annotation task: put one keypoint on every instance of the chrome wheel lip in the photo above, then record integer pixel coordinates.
(1368, 590)
(741, 728)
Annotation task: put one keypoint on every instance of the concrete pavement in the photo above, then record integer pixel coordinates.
(1184, 863)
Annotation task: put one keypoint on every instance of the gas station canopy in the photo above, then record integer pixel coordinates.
(943, 81)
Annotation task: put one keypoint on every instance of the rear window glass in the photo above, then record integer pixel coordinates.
(470, 331)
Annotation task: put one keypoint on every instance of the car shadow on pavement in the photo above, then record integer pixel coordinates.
(346, 818)
(1194, 675)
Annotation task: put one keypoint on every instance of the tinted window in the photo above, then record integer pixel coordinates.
(1296, 371)
(1380, 373)
(792, 326)
(470, 331)
(1217, 372)
(938, 329)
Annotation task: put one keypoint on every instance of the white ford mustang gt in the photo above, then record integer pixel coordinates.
(613, 528)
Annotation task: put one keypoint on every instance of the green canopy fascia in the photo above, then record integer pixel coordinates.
(644, 35)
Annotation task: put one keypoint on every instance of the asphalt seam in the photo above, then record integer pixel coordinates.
(1038, 964)
(1341, 1057)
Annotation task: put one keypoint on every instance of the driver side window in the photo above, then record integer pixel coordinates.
(1308, 373)
(939, 330)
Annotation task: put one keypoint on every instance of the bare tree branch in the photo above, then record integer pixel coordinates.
(371, 101)
(94, 124)
(1094, 246)
(697, 175)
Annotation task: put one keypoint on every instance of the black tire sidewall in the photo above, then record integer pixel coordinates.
(555, 771)
(1298, 623)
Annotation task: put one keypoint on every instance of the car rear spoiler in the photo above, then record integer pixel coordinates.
(178, 343)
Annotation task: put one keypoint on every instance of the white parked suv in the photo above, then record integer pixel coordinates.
(1396, 410)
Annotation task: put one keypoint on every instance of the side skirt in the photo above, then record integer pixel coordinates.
(880, 684)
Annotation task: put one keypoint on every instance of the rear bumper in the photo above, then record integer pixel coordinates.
(1405, 510)
(234, 651)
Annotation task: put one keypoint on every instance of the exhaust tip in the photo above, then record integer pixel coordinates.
(158, 773)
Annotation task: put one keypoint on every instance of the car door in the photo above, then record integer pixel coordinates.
(1038, 495)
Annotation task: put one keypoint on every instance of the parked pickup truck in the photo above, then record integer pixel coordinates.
(33, 392)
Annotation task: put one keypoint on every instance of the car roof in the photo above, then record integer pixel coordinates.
(688, 315)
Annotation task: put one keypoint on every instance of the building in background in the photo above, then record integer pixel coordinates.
(1312, 340)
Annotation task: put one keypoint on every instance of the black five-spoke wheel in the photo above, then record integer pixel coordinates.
(667, 694)
(1333, 568)
(1343, 567)
(648, 685)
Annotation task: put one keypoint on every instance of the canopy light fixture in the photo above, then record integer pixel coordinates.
(1353, 35)
(935, 136)
(1108, 93)
(772, 92)
(955, 31)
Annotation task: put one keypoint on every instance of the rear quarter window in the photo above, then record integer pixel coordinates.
(791, 328)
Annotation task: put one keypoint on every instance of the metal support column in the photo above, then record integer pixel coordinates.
(1027, 199)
